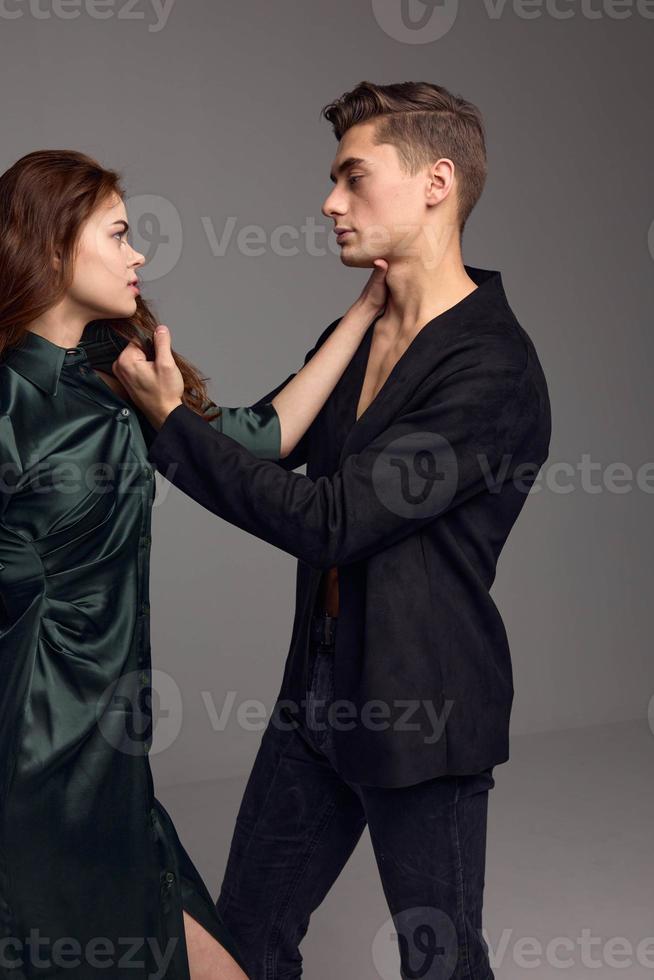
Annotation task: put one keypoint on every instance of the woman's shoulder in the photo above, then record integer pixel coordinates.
(9, 384)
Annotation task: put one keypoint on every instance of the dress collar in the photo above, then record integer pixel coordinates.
(41, 361)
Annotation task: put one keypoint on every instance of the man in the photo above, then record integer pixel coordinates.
(417, 468)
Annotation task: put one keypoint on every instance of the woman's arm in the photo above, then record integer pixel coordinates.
(273, 429)
(298, 403)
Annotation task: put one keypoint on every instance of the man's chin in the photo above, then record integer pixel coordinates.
(356, 260)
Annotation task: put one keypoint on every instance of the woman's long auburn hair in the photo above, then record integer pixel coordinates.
(45, 198)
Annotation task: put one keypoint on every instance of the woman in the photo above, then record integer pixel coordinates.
(90, 861)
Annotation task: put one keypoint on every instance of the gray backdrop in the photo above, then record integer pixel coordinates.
(211, 111)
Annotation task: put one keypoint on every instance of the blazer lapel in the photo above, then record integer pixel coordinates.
(413, 366)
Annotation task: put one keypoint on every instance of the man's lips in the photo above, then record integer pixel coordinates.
(342, 232)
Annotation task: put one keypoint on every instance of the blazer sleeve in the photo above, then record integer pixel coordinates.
(428, 461)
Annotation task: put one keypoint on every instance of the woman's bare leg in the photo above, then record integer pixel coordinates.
(208, 960)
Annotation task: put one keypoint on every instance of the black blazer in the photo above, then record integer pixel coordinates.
(413, 502)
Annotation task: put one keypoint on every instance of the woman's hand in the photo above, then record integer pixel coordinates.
(298, 403)
(375, 293)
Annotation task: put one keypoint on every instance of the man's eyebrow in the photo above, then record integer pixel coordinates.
(345, 165)
(121, 222)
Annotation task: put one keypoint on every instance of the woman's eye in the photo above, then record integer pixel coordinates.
(120, 235)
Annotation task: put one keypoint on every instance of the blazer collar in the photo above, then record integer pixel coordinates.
(41, 361)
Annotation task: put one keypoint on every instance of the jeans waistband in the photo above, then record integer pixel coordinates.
(323, 629)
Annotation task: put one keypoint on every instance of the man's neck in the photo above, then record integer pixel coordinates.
(418, 293)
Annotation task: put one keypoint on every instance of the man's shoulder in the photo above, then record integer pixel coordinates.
(494, 338)
(507, 339)
(490, 360)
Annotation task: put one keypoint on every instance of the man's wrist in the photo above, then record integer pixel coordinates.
(157, 416)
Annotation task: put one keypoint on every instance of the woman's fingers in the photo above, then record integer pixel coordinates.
(375, 288)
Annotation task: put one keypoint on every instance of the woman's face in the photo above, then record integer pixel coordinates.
(105, 265)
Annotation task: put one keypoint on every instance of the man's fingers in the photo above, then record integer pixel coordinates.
(162, 348)
(129, 355)
(132, 352)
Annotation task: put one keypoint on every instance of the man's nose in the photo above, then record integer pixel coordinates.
(332, 205)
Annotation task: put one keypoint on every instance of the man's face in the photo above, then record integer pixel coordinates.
(383, 207)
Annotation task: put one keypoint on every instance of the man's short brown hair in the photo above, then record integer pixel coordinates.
(424, 122)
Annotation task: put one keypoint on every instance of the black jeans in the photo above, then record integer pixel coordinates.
(298, 824)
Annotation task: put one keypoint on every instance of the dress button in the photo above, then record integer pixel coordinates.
(169, 877)
(143, 677)
(124, 411)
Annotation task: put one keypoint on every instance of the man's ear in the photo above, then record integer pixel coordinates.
(440, 181)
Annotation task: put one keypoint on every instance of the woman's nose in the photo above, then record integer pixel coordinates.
(137, 258)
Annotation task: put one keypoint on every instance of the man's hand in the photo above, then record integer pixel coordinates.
(156, 386)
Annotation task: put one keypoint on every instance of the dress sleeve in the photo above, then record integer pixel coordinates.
(256, 428)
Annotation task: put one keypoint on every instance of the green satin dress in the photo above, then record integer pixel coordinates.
(89, 859)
